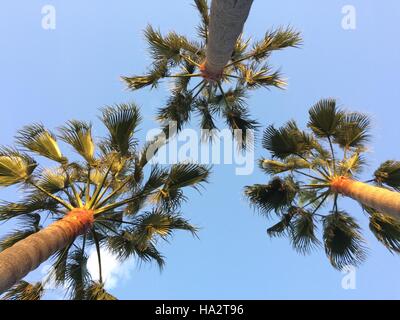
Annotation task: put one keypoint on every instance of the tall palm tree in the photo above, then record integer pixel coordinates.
(193, 92)
(227, 18)
(103, 198)
(311, 169)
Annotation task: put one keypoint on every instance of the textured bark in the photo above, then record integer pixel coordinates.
(382, 200)
(26, 255)
(227, 18)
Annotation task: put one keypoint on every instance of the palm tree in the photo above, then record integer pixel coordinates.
(105, 198)
(226, 23)
(193, 92)
(311, 169)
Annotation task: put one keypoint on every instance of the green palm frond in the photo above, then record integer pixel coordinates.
(167, 48)
(129, 243)
(202, 7)
(240, 48)
(77, 274)
(32, 203)
(387, 230)
(37, 139)
(254, 77)
(353, 130)
(273, 167)
(152, 78)
(389, 174)
(31, 223)
(78, 134)
(280, 228)
(24, 291)
(274, 40)
(161, 224)
(187, 175)
(286, 141)
(343, 242)
(178, 109)
(53, 180)
(353, 165)
(96, 291)
(302, 232)
(121, 122)
(15, 167)
(325, 118)
(275, 196)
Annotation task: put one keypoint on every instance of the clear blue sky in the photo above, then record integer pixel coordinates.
(53, 76)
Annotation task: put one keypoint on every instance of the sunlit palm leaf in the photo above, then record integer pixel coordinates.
(24, 291)
(15, 167)
(96, 291)
(37, 139)
(78, 134)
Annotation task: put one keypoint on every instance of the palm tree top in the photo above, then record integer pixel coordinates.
(129, 208)
(176, 57)
(307, 168)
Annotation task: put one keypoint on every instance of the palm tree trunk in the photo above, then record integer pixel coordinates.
(227, 18)
(382, 200)
(26, 255)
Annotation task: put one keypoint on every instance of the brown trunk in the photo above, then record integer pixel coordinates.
(26, 255)
(227, 18)
(382, 200)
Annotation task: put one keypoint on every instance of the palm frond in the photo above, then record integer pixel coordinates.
(158, 71)
(24, 291)
(15, 167)
(286, 141)
(254, 78)
(161, 224)
(78, 134)
(202, 7)
(272, 167)
(274, 40)
(128, 243)
(389, 174)
(177, 110)
(77, 274)
(302, 232)
(325, 118)
(353, 130)
(275, 196)
(187, 175)
(121, 122)
(96, 291)
(343, 242)
(37, 139)
(387, 230)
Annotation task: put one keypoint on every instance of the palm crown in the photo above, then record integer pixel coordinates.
(305, 166)
(178, 58)
(132, 207)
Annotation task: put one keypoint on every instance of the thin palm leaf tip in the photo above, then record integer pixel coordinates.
(134, 207)
(304, 166)
(176, 57)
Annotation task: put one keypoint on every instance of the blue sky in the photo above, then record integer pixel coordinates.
(56, 75)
